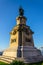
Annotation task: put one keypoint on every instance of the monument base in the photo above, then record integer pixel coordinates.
(27, 54)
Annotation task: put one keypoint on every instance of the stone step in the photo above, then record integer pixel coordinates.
(7, 56)
(30, 59)
(33, 59)
(10, 58)
(6, 59)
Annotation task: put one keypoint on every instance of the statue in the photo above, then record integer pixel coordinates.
(21, 11)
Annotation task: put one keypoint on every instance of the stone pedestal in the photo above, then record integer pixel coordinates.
(27, 54)
(22, 51)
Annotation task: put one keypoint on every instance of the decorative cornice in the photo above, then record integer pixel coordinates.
(21, 28)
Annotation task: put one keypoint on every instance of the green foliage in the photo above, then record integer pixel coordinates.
(21, 63)
(2, 63)
(17, 63)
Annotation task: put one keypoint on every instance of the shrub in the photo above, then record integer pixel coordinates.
(17, 63)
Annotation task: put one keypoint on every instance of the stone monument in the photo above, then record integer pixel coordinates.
(21, 42)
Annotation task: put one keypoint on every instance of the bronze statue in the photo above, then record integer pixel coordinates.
(21, 11)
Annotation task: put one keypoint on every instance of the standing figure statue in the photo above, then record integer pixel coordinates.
(21, 11)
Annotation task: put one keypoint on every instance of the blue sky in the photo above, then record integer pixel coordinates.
(33, 10)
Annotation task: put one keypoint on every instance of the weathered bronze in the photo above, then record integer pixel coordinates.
(21, 11)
